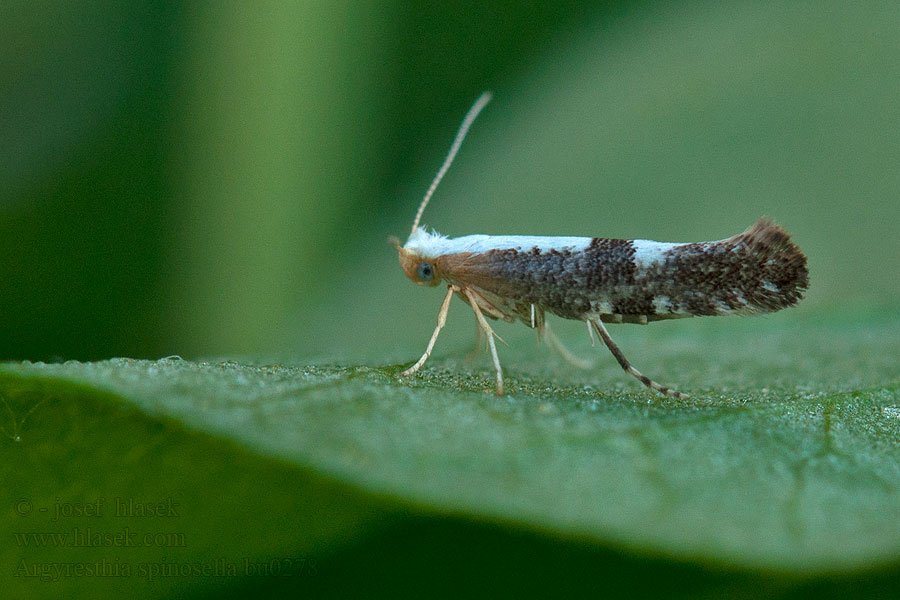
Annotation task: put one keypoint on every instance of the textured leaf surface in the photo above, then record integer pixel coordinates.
(783, 470)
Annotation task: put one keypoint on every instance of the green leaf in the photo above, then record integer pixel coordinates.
(784, 459)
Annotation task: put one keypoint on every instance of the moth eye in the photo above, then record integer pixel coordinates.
(425, 271)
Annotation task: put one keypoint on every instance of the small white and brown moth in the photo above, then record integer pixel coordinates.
(600, 280)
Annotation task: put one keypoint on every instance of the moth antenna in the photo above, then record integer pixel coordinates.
(483, 99)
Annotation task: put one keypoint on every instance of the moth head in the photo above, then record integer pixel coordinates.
(417, 259)
(419, 268)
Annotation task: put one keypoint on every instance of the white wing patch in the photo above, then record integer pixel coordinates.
(434, 244)
(647, 252)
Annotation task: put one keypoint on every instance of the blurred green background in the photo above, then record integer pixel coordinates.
(219, 178)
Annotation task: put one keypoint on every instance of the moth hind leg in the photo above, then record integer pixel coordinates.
(623, 362)
(554, 342)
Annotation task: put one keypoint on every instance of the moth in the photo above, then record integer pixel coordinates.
(599, 280)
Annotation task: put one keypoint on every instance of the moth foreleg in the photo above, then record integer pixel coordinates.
(553, 341)
(473, 302)
(441, 321)
(604, 335)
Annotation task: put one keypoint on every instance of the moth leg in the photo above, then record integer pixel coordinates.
(488, 310)
(590, 332)
(441, 321)
(473, 301)
(479, 335)
(555, 342)
(538, 321)
(604, 335)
